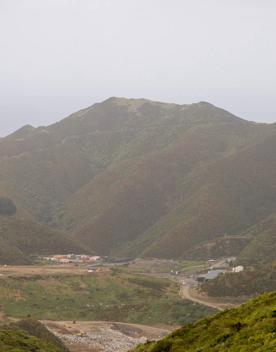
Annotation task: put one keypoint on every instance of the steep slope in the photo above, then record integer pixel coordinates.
(232, 195)
(250, 327)
(189, 197)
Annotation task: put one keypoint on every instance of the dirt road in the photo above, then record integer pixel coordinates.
(188, 291)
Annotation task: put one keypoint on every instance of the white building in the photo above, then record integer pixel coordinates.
(238, 269)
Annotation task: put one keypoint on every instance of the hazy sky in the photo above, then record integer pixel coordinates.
(57, 56)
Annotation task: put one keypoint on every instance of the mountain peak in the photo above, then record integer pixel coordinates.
(125, 101)
(23, 132)
(205, 103)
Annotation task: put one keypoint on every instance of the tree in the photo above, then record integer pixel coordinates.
(7, 206)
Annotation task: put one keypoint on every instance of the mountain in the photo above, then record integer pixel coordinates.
(198, 187)
(250, 327)
(133, 177)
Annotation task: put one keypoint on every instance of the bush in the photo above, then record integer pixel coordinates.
(7, 207)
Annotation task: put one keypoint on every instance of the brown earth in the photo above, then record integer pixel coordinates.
(46, 270)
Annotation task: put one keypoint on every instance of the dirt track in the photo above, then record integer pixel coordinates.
(32, 270)
(188, 291)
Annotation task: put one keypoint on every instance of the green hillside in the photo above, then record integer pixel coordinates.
(250, 327)
(262, 247)
(20, 238)
(258, 256)
(27, 336)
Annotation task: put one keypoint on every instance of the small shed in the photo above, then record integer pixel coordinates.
(212, 274)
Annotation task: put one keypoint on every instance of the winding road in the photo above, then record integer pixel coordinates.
(187, 291)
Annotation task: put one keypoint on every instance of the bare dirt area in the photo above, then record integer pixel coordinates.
(47, 270)
(103, 336)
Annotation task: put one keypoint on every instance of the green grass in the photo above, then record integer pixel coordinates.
(17, 341)
(250, 327)
(164, 266)
(29, 336)
(112, 297)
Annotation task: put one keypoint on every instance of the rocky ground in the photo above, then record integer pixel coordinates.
(103, 336)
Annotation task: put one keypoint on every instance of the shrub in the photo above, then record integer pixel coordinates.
(7, 207)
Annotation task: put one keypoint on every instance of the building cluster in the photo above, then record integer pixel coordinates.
(219, 267)
(99, 270)
(72, 258)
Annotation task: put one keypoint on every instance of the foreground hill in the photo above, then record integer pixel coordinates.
(132, 177)
(29, 335)
(250, 327)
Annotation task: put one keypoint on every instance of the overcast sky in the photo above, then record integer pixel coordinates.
(57, 56)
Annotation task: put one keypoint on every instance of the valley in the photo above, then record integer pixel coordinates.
(75, 293)
(173, 206)
(113, 310)
(137, 176)
(103, 311)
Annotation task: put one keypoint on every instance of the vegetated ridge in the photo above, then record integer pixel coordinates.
(29, 335)
(250, 327)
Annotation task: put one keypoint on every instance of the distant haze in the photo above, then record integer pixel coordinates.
(58, 56)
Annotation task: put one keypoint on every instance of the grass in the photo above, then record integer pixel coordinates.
(29, 336)
(111, 297)
(250, 327)
(17, 341)
(164, 266)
